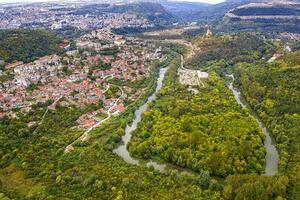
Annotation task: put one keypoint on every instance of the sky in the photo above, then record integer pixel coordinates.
(13, 1)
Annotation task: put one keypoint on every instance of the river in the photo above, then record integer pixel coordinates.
(272, 155)
(122, 149)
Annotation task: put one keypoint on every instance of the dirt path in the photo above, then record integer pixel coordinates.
(46, 112)
(85, 135)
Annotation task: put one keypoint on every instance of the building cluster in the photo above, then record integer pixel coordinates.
(81, 77)
(37, 71)
(289, 36)
(60, 16)
(125, 56)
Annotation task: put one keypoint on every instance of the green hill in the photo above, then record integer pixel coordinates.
(27, 45)
(152, 11)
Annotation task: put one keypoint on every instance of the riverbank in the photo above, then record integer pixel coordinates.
(147, 137)
(122, 149)
(272, 155)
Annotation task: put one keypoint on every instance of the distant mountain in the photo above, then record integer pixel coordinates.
(240, 15)
(183, 10)
(211, 12)
(264, 15)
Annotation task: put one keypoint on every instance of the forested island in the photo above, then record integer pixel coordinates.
(209, 133)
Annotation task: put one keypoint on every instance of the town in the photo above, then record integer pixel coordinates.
(82, 76)
(61, 16)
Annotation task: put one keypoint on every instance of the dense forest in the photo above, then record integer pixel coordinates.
(191, 130)
(34, 166)
(207, 131)
(27, 45)
(273, 90)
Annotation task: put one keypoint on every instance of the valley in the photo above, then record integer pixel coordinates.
(128, 100)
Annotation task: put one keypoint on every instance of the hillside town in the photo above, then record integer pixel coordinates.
(83, 76)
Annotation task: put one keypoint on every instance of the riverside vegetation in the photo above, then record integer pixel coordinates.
(207, 133)
(273, 91)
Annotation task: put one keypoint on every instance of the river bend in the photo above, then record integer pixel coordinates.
(272, 156)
